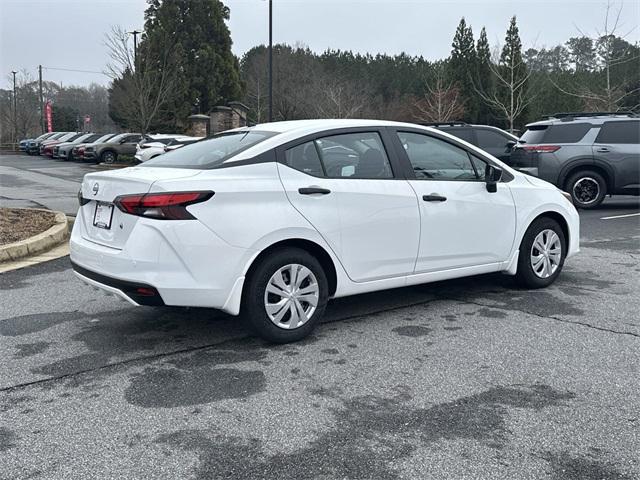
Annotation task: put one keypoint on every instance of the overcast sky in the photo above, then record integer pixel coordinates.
(70, 33)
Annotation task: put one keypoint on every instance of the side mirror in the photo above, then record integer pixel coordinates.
(492, 176)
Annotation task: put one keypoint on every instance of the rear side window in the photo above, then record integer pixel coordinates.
(619, 132)
(210, 153)
(569, 133)
(354, 155)
(304, 158)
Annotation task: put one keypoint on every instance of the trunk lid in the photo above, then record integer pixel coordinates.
(102, 188)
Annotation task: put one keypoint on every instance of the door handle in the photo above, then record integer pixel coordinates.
(434, 198)
(312, 190)
(603, 150)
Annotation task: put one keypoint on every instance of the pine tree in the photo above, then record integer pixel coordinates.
(209, 72)
(513, 72)
(484, 77)
(462, 65)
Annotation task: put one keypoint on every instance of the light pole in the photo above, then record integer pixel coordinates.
(270, 61)
(135, 34)
(15, 108)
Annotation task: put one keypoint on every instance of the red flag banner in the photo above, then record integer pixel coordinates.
(48, 111)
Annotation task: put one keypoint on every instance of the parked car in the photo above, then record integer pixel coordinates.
(23, 145)
(107, 152)
(492, 140)
(33, 147)
(179, 143)
(273, 220)
(46, 147)
(77, 152)
(63, 150)
(152, 148)
(590, 155)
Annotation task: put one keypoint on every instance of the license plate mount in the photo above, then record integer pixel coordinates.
(103, 215)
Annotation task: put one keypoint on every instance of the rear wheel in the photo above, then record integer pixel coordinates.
(285, 295)
(108, 156)
(587, 188)
(542, 254)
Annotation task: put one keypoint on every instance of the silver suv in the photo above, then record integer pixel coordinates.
(589, 155)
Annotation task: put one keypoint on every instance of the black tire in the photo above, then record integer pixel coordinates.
(525, 275)
(108, 157)
(587, 188)
(253, 300)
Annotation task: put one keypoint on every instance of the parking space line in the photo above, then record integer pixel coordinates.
(621, 216)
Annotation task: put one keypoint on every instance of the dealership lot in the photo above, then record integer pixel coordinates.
(468, 377)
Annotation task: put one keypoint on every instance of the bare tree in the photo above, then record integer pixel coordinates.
(608, 95)
(338, 98)
(141, 87)
(441, 102)
(512, 92)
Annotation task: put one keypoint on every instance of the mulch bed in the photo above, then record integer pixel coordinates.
(19, 224)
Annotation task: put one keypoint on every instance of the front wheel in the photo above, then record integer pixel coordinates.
(587, 189)
(542, 254)
(285, 296)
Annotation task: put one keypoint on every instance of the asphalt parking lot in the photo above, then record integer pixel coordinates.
(469, 378)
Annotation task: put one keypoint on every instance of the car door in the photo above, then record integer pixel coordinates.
(494, 143)
(129, 144)
(618, 146)
(463, 224)
(347, 185)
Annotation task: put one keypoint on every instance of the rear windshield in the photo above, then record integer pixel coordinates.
(210, 153)
(569, 133)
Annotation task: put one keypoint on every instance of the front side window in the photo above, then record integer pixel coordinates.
(354, 155)
(432, 158)
(619, 132)
(210, 153)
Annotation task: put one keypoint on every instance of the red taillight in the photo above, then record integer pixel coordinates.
(163, 206)
(541, 148)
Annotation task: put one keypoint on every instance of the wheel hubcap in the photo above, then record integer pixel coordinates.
(546, 253)
(586, 190)
(291, 296)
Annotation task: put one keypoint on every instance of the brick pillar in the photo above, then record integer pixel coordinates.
(198, 125)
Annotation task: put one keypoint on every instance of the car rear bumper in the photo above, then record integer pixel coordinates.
(183, 261)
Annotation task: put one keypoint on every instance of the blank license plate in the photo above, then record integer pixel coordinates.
(104, 214)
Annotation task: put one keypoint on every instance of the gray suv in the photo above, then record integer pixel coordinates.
(589, 155)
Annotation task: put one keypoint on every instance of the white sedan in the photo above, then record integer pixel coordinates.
(273, 220)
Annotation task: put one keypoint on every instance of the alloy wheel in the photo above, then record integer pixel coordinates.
(291, 296)
(586, 190)
(546, 253)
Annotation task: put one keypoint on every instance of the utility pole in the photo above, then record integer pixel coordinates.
(15, 108)
(270, 61)
(135, 34)
(41, 98)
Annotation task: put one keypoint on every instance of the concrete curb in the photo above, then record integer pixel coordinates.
(38, 243)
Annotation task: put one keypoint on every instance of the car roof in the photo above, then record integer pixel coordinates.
(594, 120)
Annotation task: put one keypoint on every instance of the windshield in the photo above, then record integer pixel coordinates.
(210, 153)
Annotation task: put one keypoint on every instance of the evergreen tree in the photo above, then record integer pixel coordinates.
(209, 72)
(484, 77)
(462, 66)
(513, 88)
